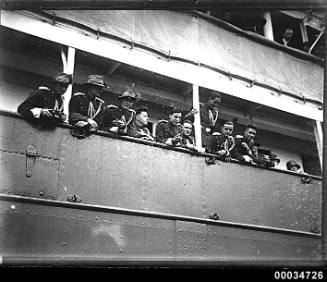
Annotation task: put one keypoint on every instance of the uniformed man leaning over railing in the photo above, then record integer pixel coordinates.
(188, 140)
(116, 119)
(137, 128)
(267, 160)
(246, 149)
(85, 106)
(170, 131)
(222, 143)
(209, 114)
(293, 166)
(45, 105)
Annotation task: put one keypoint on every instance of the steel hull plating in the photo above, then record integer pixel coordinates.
(40, 232)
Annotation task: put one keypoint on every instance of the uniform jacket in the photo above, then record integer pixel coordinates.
(187, 140)
(209, 119)
(141, 132)
(113, 113)
(42, 98)
(81, 108)
(165, 131)
(240, 150)
(221, 142)
(209, 123)
(264, 160)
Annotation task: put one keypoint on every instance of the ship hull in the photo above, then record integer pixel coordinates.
(37, 231)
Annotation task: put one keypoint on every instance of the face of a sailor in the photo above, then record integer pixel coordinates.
(250, 133)
(288, 34)
(175, 118)
(214, 103)
(293, 168)
(187, 128)
(94, 91)
(142, 118)
(227, 129)
(128, 102)
(60, 88)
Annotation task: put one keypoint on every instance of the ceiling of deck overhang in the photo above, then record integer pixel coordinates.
(131, 74)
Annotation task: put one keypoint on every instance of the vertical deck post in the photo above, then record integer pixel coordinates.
(304, 32)
(268, 28)
(317, 127)
(315, 42)
(197, 122)
(68, 67)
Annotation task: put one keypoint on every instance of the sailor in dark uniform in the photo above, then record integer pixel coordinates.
(293, 166)
(188, 140)
(274, 160)
(223, 143)
(170, 131)
(45, 105)
(267, 160)
(246, 149)
(116, 119)
(85, 107)
(209, 114)
(138, 128)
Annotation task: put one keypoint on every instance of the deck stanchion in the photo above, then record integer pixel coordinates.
(69, 69)
(197, 122)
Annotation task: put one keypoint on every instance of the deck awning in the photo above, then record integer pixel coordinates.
(184, 36)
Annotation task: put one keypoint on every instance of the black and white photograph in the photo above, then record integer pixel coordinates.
(174, 134)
